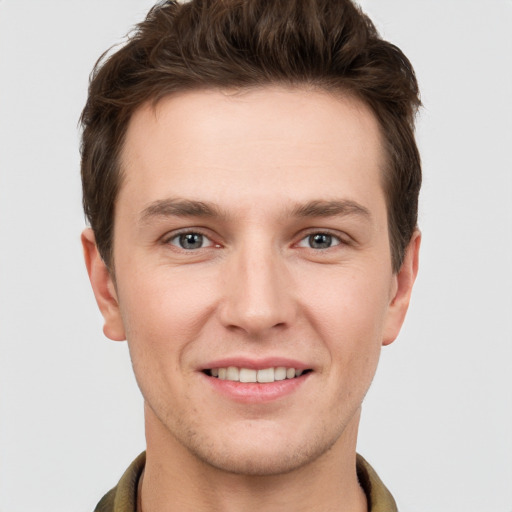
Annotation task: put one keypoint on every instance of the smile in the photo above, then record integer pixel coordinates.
(265, 375)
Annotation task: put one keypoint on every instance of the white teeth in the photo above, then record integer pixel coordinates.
(232, 373)
(249, 375)
(266, 375)
(280, 373)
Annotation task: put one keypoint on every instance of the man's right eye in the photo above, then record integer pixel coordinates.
(190, 241)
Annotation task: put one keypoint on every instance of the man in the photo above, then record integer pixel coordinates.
(251, 179)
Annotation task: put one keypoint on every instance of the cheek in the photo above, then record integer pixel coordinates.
(349, 312)
(347, 299)
(164, 312)
(163, 317)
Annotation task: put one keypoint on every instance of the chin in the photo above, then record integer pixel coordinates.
(257, 463)
(252, 447)
(261, 455)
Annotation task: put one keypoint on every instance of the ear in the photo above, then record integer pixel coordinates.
(402, 289)
(103, 288)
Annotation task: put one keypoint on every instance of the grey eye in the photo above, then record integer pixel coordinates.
(319, 241)
(190, 241)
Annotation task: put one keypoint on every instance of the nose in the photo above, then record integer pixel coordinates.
(258, 291)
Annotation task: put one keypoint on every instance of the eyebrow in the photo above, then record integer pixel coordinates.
(330, 209)
(190, 208)
(180, 208)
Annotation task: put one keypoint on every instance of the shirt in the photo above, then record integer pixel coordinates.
(123, 497)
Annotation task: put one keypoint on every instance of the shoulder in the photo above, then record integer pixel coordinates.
(123, 497)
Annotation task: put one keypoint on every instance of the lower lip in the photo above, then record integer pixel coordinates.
(254, 392)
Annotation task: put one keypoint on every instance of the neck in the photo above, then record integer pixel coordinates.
(175, 479)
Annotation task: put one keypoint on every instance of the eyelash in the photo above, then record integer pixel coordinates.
(334, 240)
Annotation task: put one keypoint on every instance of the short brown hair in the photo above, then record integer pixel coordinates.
(328, 44)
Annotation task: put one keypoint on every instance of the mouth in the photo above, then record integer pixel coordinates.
(251, 375)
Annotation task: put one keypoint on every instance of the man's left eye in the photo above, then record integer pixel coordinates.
(191, 241)
(319, 241)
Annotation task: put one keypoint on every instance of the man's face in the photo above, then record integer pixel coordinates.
(251, 241)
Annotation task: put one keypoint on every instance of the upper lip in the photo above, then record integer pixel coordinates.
(256, 363)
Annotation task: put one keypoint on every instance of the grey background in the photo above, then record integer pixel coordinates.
(437, 424)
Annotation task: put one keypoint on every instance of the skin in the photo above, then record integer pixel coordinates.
(275, 166)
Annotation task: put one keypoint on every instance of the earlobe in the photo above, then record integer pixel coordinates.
(404, 281)
(103, 288)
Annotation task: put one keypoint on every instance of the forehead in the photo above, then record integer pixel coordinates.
(250, 146)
